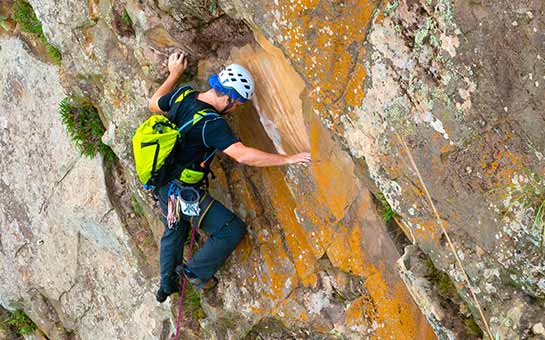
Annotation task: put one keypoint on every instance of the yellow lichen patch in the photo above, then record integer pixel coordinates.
(360, 315)
(354, 91)
(361, 249)
(278, 265)
(244, 250)
(344, 254)
(329, 57)
(427, 229)
(277, 96)
(296, 239)
(333, 172)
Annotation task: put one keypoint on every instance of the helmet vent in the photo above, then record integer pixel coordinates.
(231, 74)
(240, 75)
(243, 80)
(233, 79)
(247, 87)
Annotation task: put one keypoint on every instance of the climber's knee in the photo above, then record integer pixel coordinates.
(236, 229)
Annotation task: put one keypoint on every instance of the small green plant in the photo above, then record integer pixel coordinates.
(137, 207)
(84, 127)
(126, 18)
(472, 328)
(54, 54)
(385, 208)
(21, 322)
(192, 302)
(24, 15)
(3, 23)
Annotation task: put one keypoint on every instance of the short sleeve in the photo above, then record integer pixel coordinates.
(217, 134)
(164, 101)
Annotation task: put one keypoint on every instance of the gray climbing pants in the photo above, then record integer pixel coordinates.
(225, 231)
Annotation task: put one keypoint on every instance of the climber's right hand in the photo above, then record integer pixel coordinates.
(177, 63)
(299, 158)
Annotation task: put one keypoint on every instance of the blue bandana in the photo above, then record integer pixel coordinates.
(215, 83)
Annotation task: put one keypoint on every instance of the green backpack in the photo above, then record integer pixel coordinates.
(155, 139)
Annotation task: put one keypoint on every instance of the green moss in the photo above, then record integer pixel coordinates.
(137, 207)
(54, 54)
(24, 15)
(192, 303)
(125, 18)
(84, 127)
(3, 23)
(441, 280)
(21, 322)
(446, 290)
(472, 328)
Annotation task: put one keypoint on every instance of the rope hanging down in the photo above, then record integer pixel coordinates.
(451, 245)
(184, 283)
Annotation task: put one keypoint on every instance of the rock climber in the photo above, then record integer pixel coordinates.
(190, 165)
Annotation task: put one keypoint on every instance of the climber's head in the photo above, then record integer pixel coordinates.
(236, 83)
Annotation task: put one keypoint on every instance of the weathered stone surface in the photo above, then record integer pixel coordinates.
(65, 256)
(459, 83)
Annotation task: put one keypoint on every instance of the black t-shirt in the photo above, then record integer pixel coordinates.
(198, 142)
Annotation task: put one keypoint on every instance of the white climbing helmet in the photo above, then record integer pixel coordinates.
(238, 78)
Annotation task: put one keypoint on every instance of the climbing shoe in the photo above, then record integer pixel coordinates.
(161, 295)
(198, 283)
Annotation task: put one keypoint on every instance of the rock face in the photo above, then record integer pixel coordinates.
(380, 93)
(66, 258)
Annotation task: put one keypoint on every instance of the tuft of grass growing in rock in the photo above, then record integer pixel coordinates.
(126, 18)
(385, 209)
(24, 15)
(84, 127)
(21, 323)
(528, 192)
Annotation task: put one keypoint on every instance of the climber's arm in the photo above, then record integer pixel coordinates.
(177, 63)
(254, 157)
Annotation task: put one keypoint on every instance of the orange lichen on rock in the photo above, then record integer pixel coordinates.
(291, 310)
(333, 172)
(354, 94)
(283, 204)
(358, 249)
(427, 228)
(282, 280)
(330, 57)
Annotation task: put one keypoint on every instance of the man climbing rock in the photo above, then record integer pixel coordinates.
(188, 166)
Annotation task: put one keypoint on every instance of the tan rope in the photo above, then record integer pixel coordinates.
(466, 278)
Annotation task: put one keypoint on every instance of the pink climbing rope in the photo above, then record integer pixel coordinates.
(184, 281)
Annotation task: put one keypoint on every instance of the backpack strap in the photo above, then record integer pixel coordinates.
(180, 95)
(196, 117)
